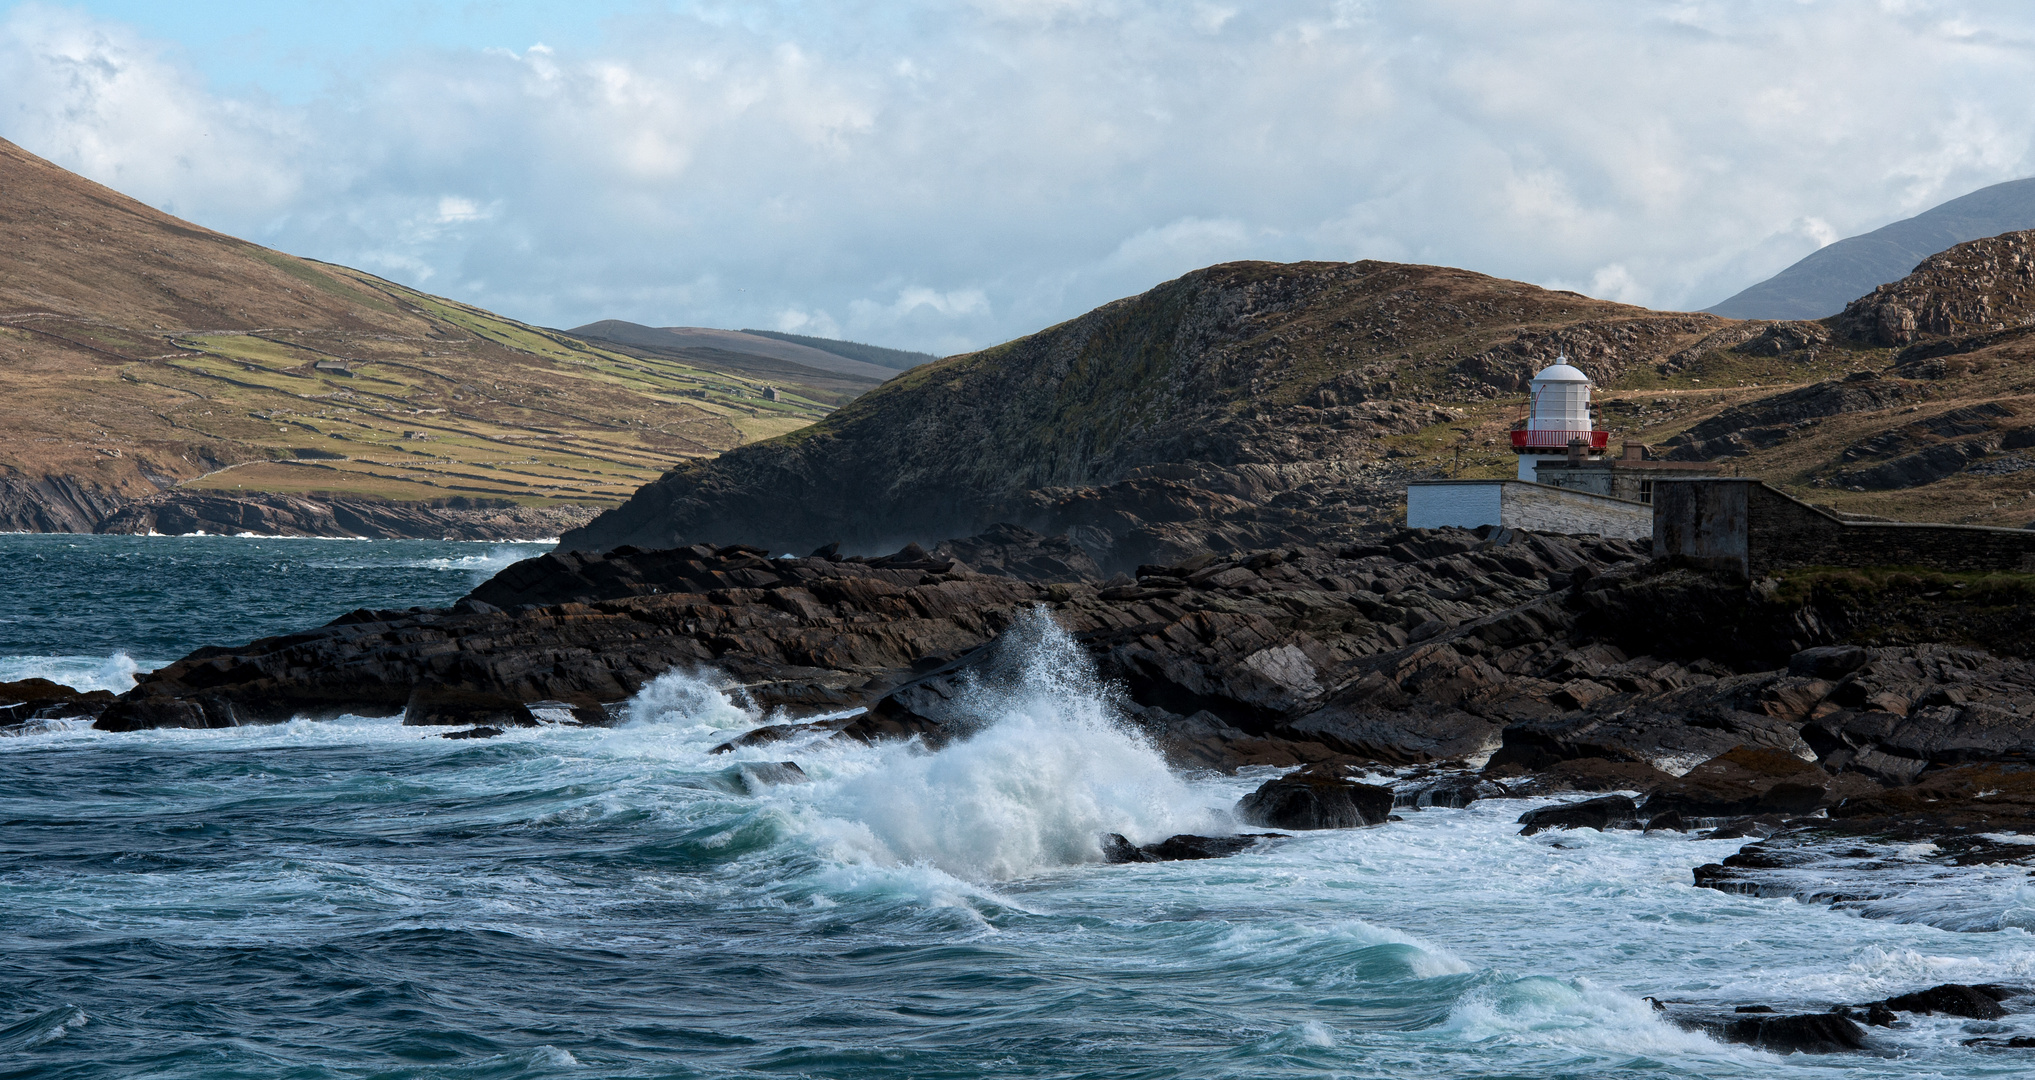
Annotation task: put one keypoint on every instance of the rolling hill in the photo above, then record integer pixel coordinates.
(1250, 405)
(145, 355)
(1821, 284)
(769, 357)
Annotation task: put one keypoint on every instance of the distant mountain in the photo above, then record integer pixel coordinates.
(900, 359)
(146, 357)
(1821, 284)
(686, 339)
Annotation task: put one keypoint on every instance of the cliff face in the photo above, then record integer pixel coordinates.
(1241, 405)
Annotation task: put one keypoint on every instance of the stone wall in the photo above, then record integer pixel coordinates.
(1434, 504)
(1750, 529)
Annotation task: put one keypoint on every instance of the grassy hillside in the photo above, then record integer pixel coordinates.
(1251, 404)
(143, 353)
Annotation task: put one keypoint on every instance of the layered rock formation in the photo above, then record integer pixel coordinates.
(1979, 287)
(1294, 647)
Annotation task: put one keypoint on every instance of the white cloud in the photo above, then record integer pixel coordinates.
(944, 176)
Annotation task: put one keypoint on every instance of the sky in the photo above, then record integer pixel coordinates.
(946, 175)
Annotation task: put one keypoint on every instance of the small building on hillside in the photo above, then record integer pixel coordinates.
(1558, 420)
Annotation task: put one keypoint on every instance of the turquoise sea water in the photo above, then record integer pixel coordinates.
(85, 610)
(358, 899)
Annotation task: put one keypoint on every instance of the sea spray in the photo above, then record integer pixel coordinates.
(1048, 768)
(114, 673)
(687, 699)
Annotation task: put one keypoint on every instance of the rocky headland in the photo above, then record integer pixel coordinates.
(1467, 665)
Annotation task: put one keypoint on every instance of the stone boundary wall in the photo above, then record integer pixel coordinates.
(1750, 529)
(1514, 504)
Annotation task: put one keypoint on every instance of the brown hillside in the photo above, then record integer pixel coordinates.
(142, 353)
(1247, 404)
(1254, 404)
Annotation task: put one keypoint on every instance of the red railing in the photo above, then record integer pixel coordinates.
(1559, 439)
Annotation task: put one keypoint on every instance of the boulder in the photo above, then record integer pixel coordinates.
(1810, 1033)
(41, 699)
(1601, 813)
(1827, 661)
(1741, 782)
(753, 777)
(1185, 846)
(1316, 797)
(1952, 999)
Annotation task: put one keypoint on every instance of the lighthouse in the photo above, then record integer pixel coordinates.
(1559, 416)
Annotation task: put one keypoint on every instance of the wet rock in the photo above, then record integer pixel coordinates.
(1602, 813)
(1316, 798)
(1454, 792)
(1953, 999)
(473, 733)
(1581, 774)
(41, 699)
(1117, 849)
(773, 733)
(1743, 781)
(1811, 1033)
(2015, 1042)
(753, 777)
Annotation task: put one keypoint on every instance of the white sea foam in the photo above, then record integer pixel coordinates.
(687, 699)
(115, 672)
(1050, 768)
(1541, 1010)
(44, 1027)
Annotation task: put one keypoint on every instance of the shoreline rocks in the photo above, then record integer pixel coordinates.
(1316, 797)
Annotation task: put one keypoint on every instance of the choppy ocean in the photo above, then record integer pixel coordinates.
(358, 899)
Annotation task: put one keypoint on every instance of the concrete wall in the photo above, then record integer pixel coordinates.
(1433, 504)
(1750, 529)
(1465, 504)
(1702, 523)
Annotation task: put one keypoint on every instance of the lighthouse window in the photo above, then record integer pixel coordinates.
(1646, 491)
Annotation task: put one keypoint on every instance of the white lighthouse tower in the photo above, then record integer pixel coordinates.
(1559, 417)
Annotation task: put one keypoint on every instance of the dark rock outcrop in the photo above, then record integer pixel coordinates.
(1953, 999)
(29, 700)
(1741, 782)
(1811, 1033)
(1288, 656)
(1602, 813)
(1316, 797)
(53, 504)
(1977, 287)
(1768, 421)
(1117, 849)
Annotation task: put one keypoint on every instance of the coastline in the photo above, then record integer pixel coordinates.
(61, 505)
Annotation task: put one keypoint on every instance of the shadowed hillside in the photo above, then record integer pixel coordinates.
(1254, 404)
(1238, 405)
